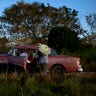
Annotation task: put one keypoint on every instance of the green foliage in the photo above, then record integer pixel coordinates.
(4, 49)
(44, 86)
(3, 43)
(63, 37)
(88, 58)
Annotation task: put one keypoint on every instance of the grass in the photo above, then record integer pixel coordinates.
(15, 84)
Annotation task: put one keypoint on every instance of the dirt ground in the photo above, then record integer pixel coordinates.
(82, 74)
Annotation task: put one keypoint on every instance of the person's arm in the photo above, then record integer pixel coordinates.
(27, 58)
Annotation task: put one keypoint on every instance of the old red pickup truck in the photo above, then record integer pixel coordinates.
(58, 64)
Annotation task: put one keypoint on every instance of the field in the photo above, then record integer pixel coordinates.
(14, 84)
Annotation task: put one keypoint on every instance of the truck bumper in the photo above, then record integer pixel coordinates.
(80, 69)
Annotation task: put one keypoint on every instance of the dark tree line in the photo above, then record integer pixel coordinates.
(64, 37)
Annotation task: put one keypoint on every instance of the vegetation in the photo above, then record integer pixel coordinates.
(90, 36)
(73, 85)
(64, 37)
(88, 60)
(35, 20)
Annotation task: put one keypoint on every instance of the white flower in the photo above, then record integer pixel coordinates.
(44, 49)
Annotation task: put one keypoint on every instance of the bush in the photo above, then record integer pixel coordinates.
(88, 59)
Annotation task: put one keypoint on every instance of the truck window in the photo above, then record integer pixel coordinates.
(53, 53)
(11, 52)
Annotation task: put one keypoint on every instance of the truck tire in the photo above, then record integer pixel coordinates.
(57, 73)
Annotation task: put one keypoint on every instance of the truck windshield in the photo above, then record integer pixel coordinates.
(11, 52)
(53, 52)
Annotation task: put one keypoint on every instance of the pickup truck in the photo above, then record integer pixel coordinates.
(57, 66)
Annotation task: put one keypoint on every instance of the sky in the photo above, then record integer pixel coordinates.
(84, 7)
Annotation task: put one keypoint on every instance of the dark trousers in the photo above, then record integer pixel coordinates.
(44, 67)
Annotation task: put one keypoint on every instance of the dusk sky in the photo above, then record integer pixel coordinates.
(82, 6)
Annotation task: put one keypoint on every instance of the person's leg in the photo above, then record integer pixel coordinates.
(44, 67)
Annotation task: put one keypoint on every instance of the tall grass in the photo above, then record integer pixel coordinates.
(15, 84)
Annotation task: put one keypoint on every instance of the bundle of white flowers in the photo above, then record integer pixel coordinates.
(44, 49)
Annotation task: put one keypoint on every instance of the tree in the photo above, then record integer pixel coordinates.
(90, 36)
(35, 20)
(3, 31)
(63, 37)
(3, 45)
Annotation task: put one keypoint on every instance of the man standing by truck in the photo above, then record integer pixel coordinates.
(43, 61)
(25, 53)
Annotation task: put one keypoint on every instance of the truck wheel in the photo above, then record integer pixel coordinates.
(57, 73)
